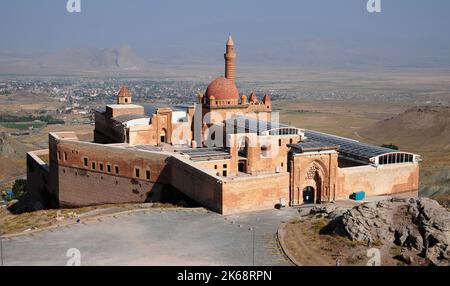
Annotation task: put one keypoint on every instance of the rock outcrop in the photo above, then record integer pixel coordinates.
(419, 225)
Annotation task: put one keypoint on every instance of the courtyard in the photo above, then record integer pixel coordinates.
(157, 237)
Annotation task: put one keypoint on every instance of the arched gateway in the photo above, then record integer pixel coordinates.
(308, 195)
(309, 184)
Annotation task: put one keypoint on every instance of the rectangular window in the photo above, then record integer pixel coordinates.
(224, 166)
(224, 173)
(100, 165)
(215, 167)
(59, 155)
(147, 174)
(116, 169)
(108, 168)
(85, 161)
(65, 156)
(136, 172)
(93, 165)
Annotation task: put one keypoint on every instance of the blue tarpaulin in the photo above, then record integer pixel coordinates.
(358, 196)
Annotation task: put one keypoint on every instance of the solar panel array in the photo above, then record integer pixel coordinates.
(349, 147)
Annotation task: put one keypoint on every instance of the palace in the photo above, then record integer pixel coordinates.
(228, 153)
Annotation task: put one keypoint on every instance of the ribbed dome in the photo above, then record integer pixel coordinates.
(222, 89)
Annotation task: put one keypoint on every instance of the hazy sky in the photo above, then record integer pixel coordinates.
(407, 30)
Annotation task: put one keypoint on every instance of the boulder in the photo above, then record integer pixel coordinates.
(405, 258)
(420, 225)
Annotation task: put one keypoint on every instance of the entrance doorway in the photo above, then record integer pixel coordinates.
(242, 166)
(243, 147)
(163, 136)
(308, 195)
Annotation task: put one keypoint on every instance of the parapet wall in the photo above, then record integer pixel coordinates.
(256, 193)
(38, 178)
(83, 188)
(82, 184)
(378, 180)
(231, 194)
(199, 185)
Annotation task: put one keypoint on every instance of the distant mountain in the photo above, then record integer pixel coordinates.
(120, 58)
(418, 128)
(174, 60)
(76, 60)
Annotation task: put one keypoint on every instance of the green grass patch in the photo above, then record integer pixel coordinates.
(23, 125)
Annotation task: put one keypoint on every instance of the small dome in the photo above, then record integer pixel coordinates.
(222, 89)
(253, 97)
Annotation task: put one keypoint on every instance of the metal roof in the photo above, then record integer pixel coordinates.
(150, 109)
(311, 145)
(350, 148)
(250, 125)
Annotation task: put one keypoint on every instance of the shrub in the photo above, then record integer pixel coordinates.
(19, 188)
(390, 146)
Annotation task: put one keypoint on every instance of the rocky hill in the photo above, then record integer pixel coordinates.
(420, 228)
(417, 128)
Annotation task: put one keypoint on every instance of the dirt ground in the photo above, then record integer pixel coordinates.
(303, 242)
(13, 149)
(340, 117)
(27, 102)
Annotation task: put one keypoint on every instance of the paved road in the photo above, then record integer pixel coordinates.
(155, 237)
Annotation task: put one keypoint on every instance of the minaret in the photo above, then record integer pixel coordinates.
(230, 57)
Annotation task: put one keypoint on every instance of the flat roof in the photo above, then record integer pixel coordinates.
(204, 154)
(151, 109)
(123, 106)
(100, 109)
(148, 147)
(129, 117)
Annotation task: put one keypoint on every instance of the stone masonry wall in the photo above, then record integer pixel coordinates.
(381, 180)
(255, 193)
